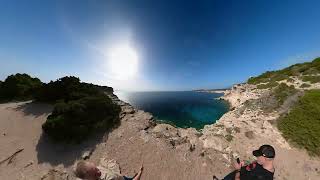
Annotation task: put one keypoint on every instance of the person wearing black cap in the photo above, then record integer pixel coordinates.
(262, 169)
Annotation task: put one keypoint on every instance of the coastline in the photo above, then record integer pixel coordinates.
(235, 134)
(189, 153)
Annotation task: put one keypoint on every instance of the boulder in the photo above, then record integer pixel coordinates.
(217, 143)
(165, 130)
(110, 164)
(86, 154)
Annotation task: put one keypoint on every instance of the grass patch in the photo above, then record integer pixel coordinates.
(282, 92)
(305, 85)
(302, 125)
(311, 79)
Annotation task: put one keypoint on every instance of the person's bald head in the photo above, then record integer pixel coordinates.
(87, 170)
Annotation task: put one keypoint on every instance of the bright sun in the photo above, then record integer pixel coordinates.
(123, 62)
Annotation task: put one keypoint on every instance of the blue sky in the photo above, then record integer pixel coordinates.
(180, 45)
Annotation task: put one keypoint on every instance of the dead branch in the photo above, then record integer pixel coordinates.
(12, 156)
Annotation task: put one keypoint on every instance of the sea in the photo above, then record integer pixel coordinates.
(180, 108)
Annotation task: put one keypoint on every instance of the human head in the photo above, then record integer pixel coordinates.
(87, 170)
(265, 154)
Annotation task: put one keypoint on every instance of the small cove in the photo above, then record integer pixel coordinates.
(180, 108)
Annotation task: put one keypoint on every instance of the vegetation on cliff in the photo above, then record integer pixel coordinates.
(282, 92)
(308, 71)
(80, 109)
(67, 89)
(271, 101)
(301, 125)
(76, 119)
(19, 87)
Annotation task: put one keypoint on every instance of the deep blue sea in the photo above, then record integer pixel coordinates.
(182, 108)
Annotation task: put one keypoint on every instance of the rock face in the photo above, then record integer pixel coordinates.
(215, 143)
(239, 93)
(86, 154)
(111, 164)
(236, 134)
(251, 126)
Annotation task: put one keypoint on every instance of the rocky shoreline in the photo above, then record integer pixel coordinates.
(238, 132)
(167, 152)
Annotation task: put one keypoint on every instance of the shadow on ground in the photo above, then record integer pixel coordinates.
(34, 108)
(56, 153)
(66, 154)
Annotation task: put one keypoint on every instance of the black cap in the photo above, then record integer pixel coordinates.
(265, 151)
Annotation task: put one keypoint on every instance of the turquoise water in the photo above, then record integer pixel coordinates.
(182, 108)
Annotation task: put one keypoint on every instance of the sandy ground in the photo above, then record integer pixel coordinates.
(134, 143)
(165, 151)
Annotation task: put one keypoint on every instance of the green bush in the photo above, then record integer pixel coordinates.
(80, 110)
(282, 92)
(75, 120)
(311, 79)
(305, 85)
(265, 77)
(67, 89)
(307, 68)
(302, 125)
(19, 87)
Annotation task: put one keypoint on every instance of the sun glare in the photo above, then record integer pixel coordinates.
(123, 62)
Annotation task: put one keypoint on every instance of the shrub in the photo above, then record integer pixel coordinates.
(305, 85)
(80, 108)
(311, 71)
(279, 77)
(282, 92)
(307, 68)
(265, 77)
(290, 80)
(19, 87)
(311, 79)
(302, 125)
(67, 89)
(75, 120)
